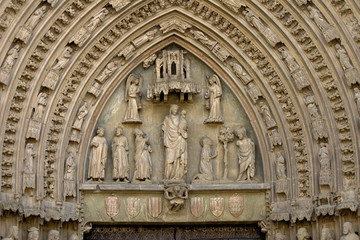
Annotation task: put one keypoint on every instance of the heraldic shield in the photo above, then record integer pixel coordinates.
(236, 205)
(217, 206)
(133, 206)
(155, 206)
(197, 206)
(112, 206)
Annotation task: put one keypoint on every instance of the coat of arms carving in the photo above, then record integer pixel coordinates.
(217, 206)
(236, 205)
(197, 206)
(112, 206)
(133, 206)
(155, 206)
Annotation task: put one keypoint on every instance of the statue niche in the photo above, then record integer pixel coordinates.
(172, 75)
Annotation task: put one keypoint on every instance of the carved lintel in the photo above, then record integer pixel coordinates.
(34, 129)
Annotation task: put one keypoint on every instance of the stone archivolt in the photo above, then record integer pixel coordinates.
(261, 60)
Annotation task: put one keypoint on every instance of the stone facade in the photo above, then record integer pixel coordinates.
(180, 112)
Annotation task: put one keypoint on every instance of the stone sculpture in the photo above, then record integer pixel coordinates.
(119, 4)
(245, 155)
(63, 59)
(109, 69)
(253, 91)
(52, 2)
(12, 234)
(143, 164)
(214, 95)
(53, 235)
(280, 236)
(207, 154)
(318, 125)
(69, 176)
(267, 116)
(83, 111)
(148, 36)
(41, 104)
(175, 144)
(98, 156)
(201, 37)
(177, 196)
(33, 233)
(357, 98)
(280, 166)
(348, 232)
(8, 64)
(28, 169)
(351, 73)
(324, 158)
(120, 148)
(149, 61)
(97, 20)
(326, 234)
(297, 74)
(133, 97)
(26, 30)
(226, 135)
(327, 30)
(303, 234)
(234, 5)
(255, 21)
(241, 73)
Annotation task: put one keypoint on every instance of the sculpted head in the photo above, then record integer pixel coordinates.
(347, 228)
(240, 133)
(118, 131)
(54, 235)
(174, 109)
(302, 234)
(100, 132)
(280, 236)
(138, 132)
(326, 234)
(33, 233)
(205, 141)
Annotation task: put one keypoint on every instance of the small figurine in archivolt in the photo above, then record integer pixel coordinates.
(133, 97)
(246, 155)
(214, 95)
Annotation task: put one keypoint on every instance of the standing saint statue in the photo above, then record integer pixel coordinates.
(143, 165)
(175, 143)
(214, 95)
(69, 176)
(120, 148)
(246, 155)
(98, 156)
(133, 97)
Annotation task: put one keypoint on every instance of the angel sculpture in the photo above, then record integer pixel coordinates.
(214, 95)
(133, 97)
